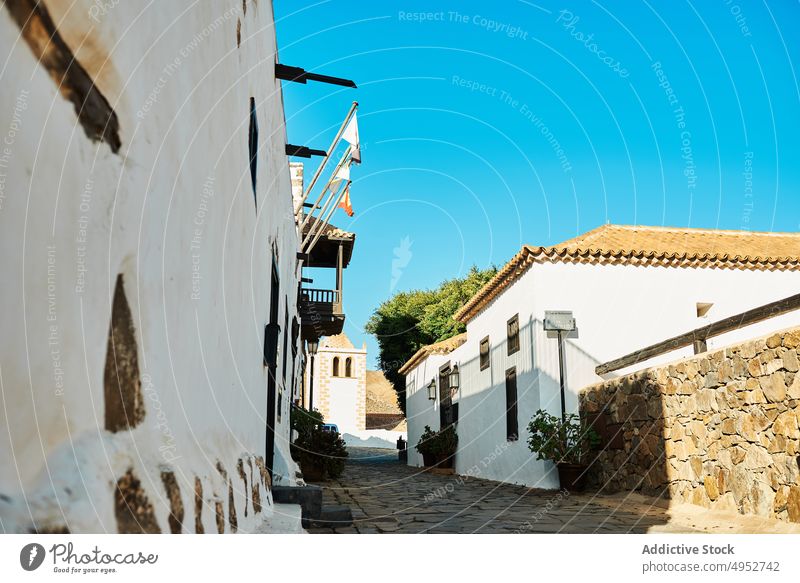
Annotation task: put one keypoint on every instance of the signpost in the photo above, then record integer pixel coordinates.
(561, 322)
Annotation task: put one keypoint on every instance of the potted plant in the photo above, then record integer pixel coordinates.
(321, 454)
(438, 447)
(566, 442)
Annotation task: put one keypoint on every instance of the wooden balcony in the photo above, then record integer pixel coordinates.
(333, 249)
(321, 312)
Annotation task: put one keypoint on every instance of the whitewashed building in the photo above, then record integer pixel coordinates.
(627, 287)
(151, 339)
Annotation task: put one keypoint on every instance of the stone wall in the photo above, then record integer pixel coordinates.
(719, 430)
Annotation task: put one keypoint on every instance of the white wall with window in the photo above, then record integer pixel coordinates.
(618, 309)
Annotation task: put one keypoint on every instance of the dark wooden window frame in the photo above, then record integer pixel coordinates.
(512, 334)
(512, 416)
(253, 147)
(448, 411)
(485, 362)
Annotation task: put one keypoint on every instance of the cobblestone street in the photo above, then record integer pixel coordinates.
(388, 497)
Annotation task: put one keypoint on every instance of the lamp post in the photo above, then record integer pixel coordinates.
(560, 322)
(313, 346)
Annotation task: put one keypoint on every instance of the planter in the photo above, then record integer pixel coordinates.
(572, 476)
(313, 470)
(446, 462)
(439, 461)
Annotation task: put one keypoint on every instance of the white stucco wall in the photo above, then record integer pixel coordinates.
(344, 400)
(618, 309)
(173, 212)
(420, 411)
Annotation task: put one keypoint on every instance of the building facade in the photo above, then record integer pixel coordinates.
(339, 383)
(151, 338)
(627, 288)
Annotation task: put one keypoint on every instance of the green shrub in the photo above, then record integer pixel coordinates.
(304, 421)
(438, 443)
(566, 441)
(324, 448)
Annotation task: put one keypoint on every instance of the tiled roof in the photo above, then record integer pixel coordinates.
(650, 246)
(329, 230)
(442, 347)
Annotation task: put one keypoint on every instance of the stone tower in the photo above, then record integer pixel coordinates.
(340, 383)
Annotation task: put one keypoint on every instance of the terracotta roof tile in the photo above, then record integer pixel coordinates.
(442, 347)
(650, 246)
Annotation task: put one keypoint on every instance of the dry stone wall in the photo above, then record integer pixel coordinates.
(719, 430)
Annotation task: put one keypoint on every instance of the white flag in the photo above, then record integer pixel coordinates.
(350, 135)
(343, 172)
(342, 177)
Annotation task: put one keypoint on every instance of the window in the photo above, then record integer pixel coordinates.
(512, 334)
(448, 411)
(253, 146)
(348, 367)
(485, 353)
(512, 423)
(335, 366)
(285, 338)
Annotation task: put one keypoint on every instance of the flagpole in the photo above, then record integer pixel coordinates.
(324, 190)
(315, 228)
(327, 157)
(328, 219)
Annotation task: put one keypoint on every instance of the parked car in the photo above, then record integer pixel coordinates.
(330, 427)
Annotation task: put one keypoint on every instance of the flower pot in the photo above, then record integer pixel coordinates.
(572, 476)
(439, 461)
(313, 470)
(446, 461)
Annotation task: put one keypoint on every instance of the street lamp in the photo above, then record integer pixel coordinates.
(561, 322)
(313, 346)
(455, 378)
(432, 390)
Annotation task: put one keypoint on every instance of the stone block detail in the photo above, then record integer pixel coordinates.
(720, 430)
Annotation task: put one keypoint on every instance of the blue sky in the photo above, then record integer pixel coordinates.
(489, 125)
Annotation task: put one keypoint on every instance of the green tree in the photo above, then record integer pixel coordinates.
(410, 320)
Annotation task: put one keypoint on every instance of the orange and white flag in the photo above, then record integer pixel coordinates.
(345, 203)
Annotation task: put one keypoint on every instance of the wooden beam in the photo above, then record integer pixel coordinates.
(699, 335)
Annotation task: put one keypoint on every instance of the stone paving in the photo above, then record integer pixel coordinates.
(388, 497)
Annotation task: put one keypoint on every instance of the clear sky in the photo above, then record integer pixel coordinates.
(489, 125)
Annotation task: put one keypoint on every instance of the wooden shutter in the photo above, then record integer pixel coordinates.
(512, 334)
(512, 423)
(445, 402)
(484, 353)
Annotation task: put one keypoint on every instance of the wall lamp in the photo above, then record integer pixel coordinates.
(432, 390)
(455, 378)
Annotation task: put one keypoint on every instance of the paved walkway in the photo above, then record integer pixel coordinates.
(388, 497)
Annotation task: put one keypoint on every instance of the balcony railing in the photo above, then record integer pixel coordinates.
(324, 296)
(321, 312)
